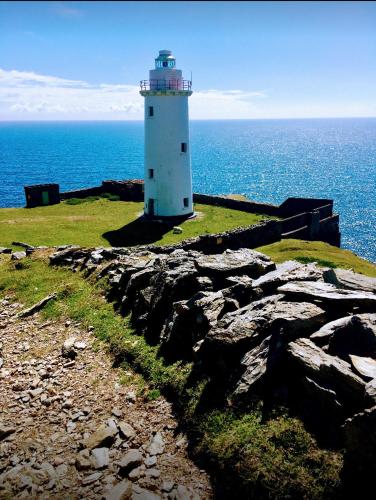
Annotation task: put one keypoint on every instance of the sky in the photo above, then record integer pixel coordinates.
(66, 60)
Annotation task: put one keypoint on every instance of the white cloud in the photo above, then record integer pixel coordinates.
(29, 95)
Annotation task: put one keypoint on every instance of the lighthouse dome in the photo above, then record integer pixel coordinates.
(165, 60)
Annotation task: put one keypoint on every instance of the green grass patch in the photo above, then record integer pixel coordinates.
(273, 459)
(103, 221)
(317, 251)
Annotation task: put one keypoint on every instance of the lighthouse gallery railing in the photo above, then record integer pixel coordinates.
(165, 84)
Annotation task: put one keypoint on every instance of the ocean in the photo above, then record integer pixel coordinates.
(267, 160)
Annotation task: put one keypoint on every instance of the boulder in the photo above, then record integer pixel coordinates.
(344, 278)
(257, 364)
(244, 329)
(176, 280)
(330, 371)
(191, 320)
(286, 272)
(68, 254)
(354, 334)
(137, 281)
(329, 294)
(365, 367)
(234, 262)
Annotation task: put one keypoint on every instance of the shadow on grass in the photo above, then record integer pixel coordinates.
(141, 232)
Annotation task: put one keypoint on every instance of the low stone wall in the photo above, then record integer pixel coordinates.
(242, 205)
(82, 193)
(254, 236)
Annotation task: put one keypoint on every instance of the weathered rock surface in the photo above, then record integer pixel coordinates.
(354, 334)
(190, 322)
(235, 262)
(258, 363)
(245, 328)
(344, 278)
(325, 292)
(286, 272)
(365, 367)
(329, 370)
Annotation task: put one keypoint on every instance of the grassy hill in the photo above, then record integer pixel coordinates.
(317, 251)
(102, 222)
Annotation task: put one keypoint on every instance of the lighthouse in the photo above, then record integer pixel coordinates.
(168, 177)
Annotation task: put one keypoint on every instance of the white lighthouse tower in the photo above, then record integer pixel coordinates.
(168, 177)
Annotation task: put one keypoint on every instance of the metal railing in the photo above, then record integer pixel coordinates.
(165, 84)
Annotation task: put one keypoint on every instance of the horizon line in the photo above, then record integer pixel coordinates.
(191, 119)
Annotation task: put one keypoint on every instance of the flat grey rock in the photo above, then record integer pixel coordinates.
(316, 290)
(322, 367)
(232, 262)
(355, 334)
(366, 367)
(353, 281)
(286, 272)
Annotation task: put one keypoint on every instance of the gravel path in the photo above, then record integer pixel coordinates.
(71, 429)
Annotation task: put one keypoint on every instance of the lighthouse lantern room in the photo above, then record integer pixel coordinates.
(168, 177)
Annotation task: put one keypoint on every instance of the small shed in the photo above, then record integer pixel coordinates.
(41, 195)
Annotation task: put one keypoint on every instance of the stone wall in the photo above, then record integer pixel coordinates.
(298, 336)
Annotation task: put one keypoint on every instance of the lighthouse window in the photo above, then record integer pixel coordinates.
(165, 64)
(186, 202)
(151, 173)
(151, 111)
(183, 147)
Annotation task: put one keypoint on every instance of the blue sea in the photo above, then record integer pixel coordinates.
(267, 160)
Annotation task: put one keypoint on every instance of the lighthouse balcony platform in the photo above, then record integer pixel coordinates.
(165, 87)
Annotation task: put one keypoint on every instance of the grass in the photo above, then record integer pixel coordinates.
(249, 457)
(274, 459)
(98, 221)
(317, 251)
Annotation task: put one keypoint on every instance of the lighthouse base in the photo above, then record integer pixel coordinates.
(169, 218)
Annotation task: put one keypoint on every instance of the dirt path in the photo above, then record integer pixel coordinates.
(72, 429)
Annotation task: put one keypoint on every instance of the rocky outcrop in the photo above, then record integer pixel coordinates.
(252, 328)
(329, 294)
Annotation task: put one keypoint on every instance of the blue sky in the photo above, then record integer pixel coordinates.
(83, 60)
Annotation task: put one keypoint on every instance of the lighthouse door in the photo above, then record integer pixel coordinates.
(151, 206)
